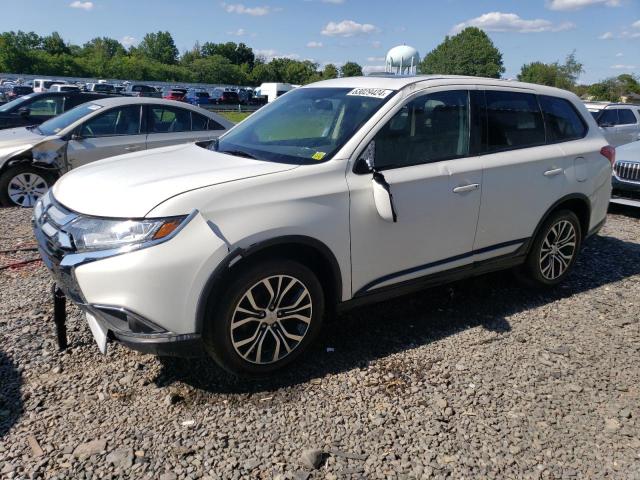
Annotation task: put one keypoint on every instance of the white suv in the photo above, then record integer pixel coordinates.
(620, 122)
(338, 193)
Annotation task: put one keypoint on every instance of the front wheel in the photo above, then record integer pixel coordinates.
(554, 250)
(23, 185)
(267, 316)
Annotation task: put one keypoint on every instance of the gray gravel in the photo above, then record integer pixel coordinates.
(480, 379)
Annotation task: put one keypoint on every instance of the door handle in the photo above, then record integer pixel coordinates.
(466, 188)
(554, 172)
(132, 148)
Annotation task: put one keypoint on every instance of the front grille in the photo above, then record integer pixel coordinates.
(628, 171)
(49, 221)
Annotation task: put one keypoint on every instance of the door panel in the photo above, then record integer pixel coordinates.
(435, 225)
(114, 132)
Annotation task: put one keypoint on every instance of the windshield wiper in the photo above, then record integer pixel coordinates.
(35, 128)
(238, 153)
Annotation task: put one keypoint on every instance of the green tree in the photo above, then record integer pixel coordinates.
(611, 89)
(217, 69)
(16, 49)
(470, 52)
(160, 47)
(330, 71)
(54, 44)
(351, 69)
(552, 74)
(235, 53)
(263, 72)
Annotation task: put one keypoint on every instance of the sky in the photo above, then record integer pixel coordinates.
(604, 33)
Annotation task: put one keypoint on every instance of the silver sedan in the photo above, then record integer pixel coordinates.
(31, 158)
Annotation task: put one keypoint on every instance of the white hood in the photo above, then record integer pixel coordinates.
(129, 186)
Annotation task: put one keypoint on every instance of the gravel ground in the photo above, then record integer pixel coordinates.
(479, 379)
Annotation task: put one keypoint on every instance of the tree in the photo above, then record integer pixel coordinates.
(217, 69)
(611, 89)
(235, 53)
(552, 74)
(54, 44)
(351, 69)
(470, 52)
(330, 71)
(160, 47)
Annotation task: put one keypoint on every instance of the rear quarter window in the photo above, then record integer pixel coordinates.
(562, 121)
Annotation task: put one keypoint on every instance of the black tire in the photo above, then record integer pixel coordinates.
(221, 311)
(22, 169)
(536, 271)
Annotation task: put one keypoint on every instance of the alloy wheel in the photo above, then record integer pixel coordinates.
(26, 188)
(557, 250)
(271, 319)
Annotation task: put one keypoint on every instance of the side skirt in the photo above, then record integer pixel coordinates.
(410, 286)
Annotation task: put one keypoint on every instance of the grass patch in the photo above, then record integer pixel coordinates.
(235, 117)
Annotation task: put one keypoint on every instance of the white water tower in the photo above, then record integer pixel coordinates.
(402, 59)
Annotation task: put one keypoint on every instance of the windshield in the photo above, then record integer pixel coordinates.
(305, 126)
(7, 107)
(59, 123)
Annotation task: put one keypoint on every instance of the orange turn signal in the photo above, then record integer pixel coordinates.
(167, 229)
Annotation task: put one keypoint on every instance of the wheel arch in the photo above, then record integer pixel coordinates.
(578, 203)
(309, 251)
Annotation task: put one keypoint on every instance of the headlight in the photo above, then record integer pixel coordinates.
(99, 234)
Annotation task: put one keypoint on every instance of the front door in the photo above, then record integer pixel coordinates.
(423, 153)
(114, 132)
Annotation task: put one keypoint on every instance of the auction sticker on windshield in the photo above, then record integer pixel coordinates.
(370, 92)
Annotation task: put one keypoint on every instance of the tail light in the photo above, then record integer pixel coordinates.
(610, 153)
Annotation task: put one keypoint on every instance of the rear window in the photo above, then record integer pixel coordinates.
(142, 88)
(202, 94)
(22, 90)
(608, 117)
(562, 121)
(626, 117)
(514, 120)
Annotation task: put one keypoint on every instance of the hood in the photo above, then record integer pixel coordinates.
(17, 140)
(628, 152)
(129, 186)
(15, 137)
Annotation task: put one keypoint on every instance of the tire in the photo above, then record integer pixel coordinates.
(22, 185)
(265, 342)
(554, 251)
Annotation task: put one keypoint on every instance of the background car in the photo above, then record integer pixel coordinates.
(198, 97)
(17, 91)
(177, 94)
(141, 90)
(619, 122)
(626, 175)
(225, 97)
(32, 158)
(64, 88)
(101, 88)
(39, 107)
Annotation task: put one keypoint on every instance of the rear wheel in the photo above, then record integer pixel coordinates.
(23, 185)
(267, 316)
(554, 250)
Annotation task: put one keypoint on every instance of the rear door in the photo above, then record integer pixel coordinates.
(628, 127)
(608, 122)
(522, 175)
(168, 125)
(114, 132)
(205, 128)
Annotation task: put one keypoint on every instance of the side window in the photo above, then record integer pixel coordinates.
(198, 122)
(428, 129)
(46, 107)
(562, 121)
(213, 125)
(514, 120)
(626, 117)
(117, 121)
(169, 120)
(608, 118)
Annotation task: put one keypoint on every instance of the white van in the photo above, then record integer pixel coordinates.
(44, 84)
(342, 192)
(273, 90)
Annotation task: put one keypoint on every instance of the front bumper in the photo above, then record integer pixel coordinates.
(124, 291)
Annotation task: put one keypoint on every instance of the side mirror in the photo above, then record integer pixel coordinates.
(24, 111)
(76, 136)
(383, 198)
